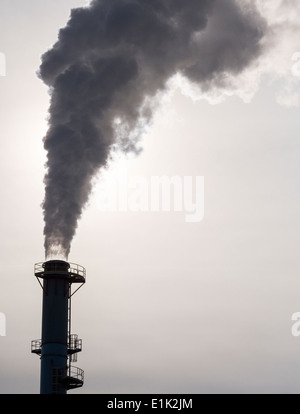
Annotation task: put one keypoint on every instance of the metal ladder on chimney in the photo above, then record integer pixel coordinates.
(69, 329)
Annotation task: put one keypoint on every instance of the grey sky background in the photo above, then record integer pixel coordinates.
(168, 306)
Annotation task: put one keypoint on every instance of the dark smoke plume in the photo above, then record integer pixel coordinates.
(110, 60)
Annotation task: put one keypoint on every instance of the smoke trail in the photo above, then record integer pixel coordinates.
(108, 64)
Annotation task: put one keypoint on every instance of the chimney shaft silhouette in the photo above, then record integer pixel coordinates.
(58, 346)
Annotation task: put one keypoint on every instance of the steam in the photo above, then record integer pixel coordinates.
(104, 72)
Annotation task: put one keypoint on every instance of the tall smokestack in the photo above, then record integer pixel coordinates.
(58, 347)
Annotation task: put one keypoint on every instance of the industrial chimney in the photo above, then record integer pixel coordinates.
(58, 347)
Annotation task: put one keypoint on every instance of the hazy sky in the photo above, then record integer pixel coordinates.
(168, 306)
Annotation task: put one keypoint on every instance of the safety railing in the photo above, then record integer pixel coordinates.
(74, 343)
(36, 346)
(76, 373)
(74, 378)
(73, 271)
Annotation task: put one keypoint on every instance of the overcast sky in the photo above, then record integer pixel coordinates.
(168, 306)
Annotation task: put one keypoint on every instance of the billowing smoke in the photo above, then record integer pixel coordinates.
(109, 63)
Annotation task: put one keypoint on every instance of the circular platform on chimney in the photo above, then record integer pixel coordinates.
(59, 269)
